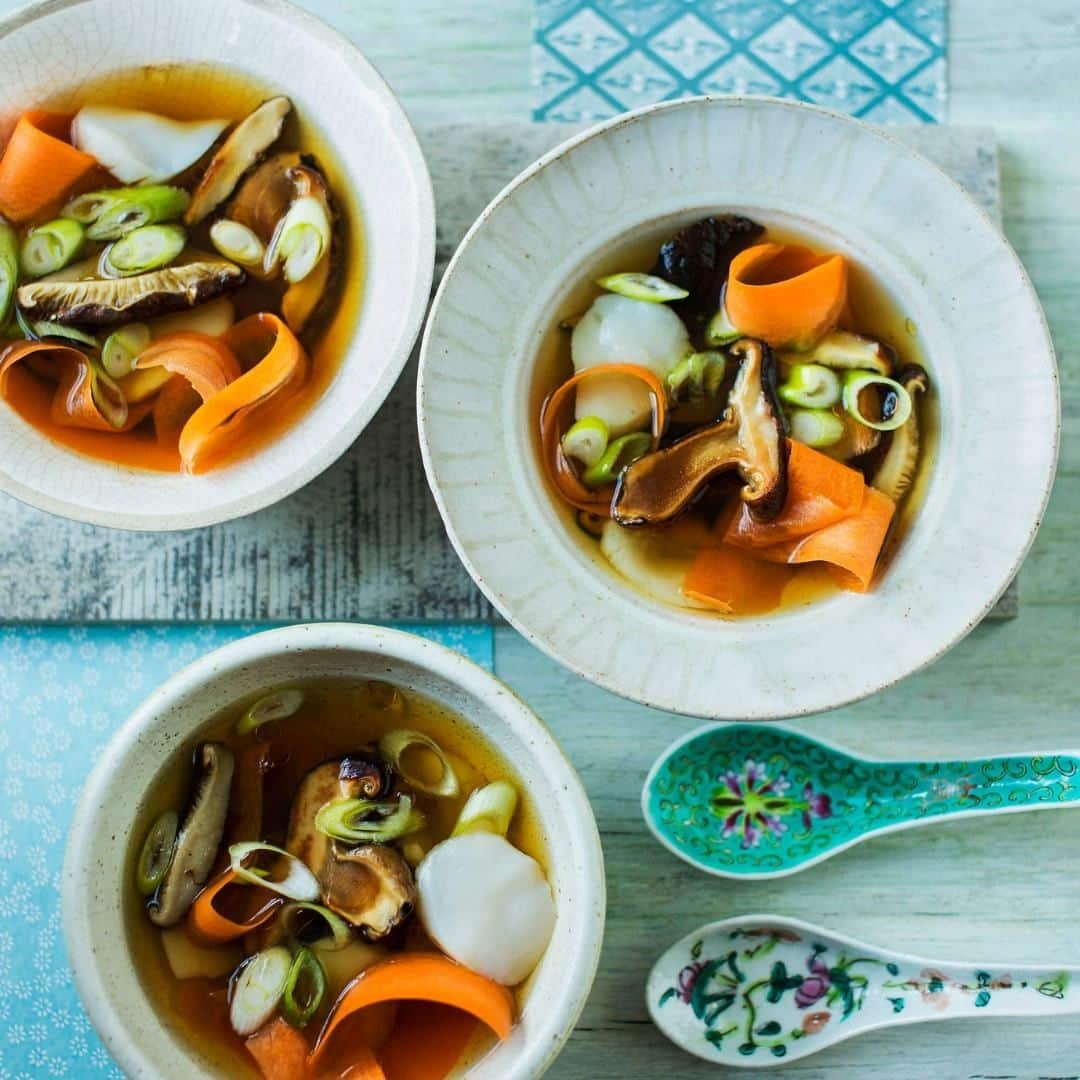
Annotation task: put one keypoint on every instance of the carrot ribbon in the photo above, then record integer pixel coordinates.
(208, 924)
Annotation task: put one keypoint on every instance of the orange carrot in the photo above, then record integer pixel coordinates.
(421, 977)
(174, 406)
(39, 166)
(279, 1050)
(206, 362)
(428, 1041)
(735, 582)
(208, 924)
(280, 367)
(820, 491)
(553, 415)
(785, 294)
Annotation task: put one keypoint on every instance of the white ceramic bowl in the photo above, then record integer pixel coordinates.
(95, 866)
(47, 49)
(852, 188)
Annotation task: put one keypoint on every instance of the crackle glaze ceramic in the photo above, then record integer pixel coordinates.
(850, 188)
(51, 47)
(759, 991)
(761, 801)
(100, 845)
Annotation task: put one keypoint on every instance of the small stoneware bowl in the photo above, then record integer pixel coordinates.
(100, 844)
(48, 50)
(846, 186)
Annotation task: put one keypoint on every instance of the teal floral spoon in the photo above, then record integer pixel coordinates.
(761, 800)
(758, 990)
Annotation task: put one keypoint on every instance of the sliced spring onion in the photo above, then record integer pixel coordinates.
(362, 821)
(44, 328)
(157, 853)
(237, 242)
(108, 396)
(112, 214)
(257, 987)
(810, 386)
(52, 246)
(301, 239)
(816, 427)
(895, 411)
(122, 348)
(586, 440)
(279, 705)
(304, 989)
(697, 376)
(620, 453)
(141, 250)
(488, 809)
(297, 883)
(9, 269)
(642, 287)
(292, 919)
(721, 330)
(394, 745)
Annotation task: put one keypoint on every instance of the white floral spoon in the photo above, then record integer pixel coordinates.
(758, 991)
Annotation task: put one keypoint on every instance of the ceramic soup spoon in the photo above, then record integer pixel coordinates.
(758, 801)
(758, 990)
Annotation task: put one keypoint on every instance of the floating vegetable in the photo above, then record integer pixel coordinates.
(296, 922)
(157, 852)
(844, 350)
(734, 582)
(281, 1053)
(364, 777)
(896, 408)
(620, 454)
(50, 247)
(138, 146)
(896, 472)
(304, 989)
(9, 269)
(586, 440)
(297, 882)
(238, 242)
(488, 809)
(698, 377)
(365, 821)
(810, 386)
(207, 363)
(646, 287)
(189, 960)
(257, 988)
(301, 240)
(114, 212)
(279, 705)
(815, 427)
(142, 250)
(122, 348)
(487, 905)
(45, 328)
(721, 330)
(397, 744)
(207, 920)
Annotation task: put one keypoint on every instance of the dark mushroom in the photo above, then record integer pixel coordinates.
(846, 351)
(80, 295)
(236, 156)
(364, 776)
(199, 837)
(896, 472)
(748, 440)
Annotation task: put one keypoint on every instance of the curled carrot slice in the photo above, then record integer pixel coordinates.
(421, 977)
(174, 406)
(208, 924)
(552, 416)
(785, 294)
(280, 366)
(206, 362)
(734, 582)
(39, 166)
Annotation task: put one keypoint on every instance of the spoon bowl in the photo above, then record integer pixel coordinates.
(755, 801)
(759, 990)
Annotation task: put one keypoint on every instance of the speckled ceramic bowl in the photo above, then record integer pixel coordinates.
(849, 187)
(100, 842)
(51, 47)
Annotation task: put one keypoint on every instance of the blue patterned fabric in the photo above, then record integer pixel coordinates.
(63, 691)
(880, 60)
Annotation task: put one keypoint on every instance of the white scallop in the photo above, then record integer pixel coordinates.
(487, 905)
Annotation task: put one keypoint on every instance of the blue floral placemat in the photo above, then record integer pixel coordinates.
(880, 60)
(63, 691)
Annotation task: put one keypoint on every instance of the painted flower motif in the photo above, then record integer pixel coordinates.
(813, 1022)
(816, 985)
(817, 805)
(688, 978)
(933, 989)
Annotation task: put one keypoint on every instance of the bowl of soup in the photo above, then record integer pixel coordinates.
(333, 847)
(738, 407)
(214, 260)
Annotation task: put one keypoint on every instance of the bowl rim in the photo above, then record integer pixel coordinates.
(85, 961)
(274, 490)
(602, 677)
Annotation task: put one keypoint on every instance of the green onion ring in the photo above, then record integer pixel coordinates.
(157, 853)
(857, 381)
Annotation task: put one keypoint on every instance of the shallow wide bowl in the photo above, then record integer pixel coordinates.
(850, 188)
(95, 866)
(50, 48)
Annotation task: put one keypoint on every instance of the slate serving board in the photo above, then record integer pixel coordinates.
(364, 540)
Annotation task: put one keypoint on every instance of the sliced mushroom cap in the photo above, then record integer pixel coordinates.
(80, 295)
(896, 472)
(199, 837)
(749, 440)
(243, 149)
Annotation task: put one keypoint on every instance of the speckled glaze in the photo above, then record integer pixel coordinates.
(97, 846)
(854, 189)
(759, 991)
(758, 801)
(53, 46)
